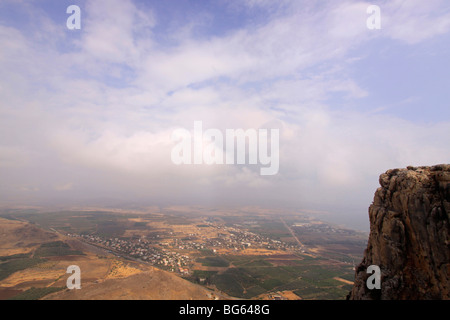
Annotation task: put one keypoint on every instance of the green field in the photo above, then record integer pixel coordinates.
(103, 223)
(14, 265)
(15, 256)
(248, 261)
(18, 262)
(250, 276)
(237, 283)
(201, 277)
(253, 276)
(214, 261)
(56, 248)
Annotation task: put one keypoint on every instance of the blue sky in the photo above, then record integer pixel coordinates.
(86, 115)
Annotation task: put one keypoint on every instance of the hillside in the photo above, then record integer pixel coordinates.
(17, 237)
(33, 263)
(150, 285)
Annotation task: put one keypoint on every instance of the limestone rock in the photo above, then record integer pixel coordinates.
(409, 236)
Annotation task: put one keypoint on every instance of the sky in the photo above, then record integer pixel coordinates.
(87, 115)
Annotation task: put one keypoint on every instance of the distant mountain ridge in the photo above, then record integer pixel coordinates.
(409, 236)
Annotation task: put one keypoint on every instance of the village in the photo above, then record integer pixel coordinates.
(177, 253)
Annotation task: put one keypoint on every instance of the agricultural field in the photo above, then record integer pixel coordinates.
(249, 277)
(259, 256)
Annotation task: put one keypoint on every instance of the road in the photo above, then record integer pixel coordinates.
(292, 233)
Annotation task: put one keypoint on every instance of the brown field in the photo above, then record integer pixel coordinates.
(6, 293)
(129, 233)
(120, 269)
(21, 237)
(290, 295)
(278, 262)
(285, 257)
(284, 260)
(249, 252)
(150, 285)
(200, 267)
(54, 272)
(343, 280)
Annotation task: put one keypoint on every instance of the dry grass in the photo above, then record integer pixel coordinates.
(53, 272)
(119, 269)
(343, 280)
(27, 278)
(290, 295)
(151, 285)
(21, 237)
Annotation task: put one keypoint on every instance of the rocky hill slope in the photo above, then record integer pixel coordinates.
(409, 236)
(151, 285)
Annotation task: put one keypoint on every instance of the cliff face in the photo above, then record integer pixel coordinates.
(409, 236)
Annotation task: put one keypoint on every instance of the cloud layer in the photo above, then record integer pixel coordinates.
(89, 114)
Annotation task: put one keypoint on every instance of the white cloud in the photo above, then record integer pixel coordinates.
(413, 21)
(59, 110)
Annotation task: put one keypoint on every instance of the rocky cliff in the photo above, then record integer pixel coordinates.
(409, 236)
